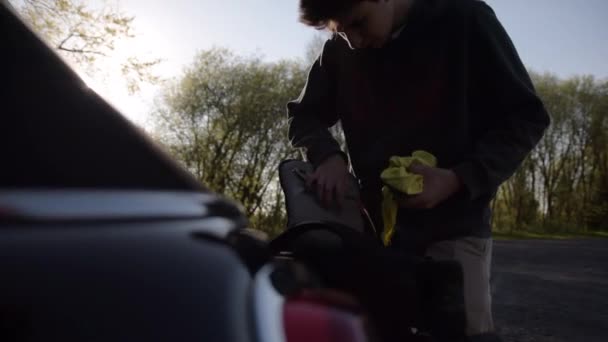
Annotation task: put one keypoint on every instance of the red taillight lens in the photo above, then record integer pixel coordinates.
(323, 317)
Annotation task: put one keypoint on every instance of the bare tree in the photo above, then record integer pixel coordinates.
(87, 35)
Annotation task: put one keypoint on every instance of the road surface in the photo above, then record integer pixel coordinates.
(551, 291)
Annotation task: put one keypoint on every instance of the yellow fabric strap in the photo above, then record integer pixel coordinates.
(398, 179)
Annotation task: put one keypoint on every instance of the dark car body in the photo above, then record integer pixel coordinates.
(103, 237)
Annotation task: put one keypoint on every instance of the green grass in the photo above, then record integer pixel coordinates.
(547, 236)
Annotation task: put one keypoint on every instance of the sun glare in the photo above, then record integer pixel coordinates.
(109, 81)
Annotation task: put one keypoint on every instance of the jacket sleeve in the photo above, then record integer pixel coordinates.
(314, 112)
(514, 118)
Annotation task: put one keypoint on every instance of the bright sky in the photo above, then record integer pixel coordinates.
(564, 37)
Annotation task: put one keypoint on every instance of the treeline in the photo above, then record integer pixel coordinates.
(563, 184)
(225, 120)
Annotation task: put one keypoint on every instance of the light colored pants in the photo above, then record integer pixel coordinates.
(475, 256)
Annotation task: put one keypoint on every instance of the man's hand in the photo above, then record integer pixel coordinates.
(330, 179)
(439, 185)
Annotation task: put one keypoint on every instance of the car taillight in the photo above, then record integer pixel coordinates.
(323, 317)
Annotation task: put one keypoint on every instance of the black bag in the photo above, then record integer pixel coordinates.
(310, 226)
(399, 291)
(303, 208)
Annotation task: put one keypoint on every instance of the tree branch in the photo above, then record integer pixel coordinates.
(83, 51)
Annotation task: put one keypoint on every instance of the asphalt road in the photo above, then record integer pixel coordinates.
(551, 291)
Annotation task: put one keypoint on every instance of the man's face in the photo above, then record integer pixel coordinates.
(368, 25)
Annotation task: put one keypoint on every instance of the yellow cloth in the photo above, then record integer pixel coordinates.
(397, 178)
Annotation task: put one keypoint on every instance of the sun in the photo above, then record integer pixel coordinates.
(107, 78)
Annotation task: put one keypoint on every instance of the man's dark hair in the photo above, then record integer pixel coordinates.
(319, 13)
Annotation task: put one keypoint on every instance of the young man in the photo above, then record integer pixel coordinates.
(434, 75)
